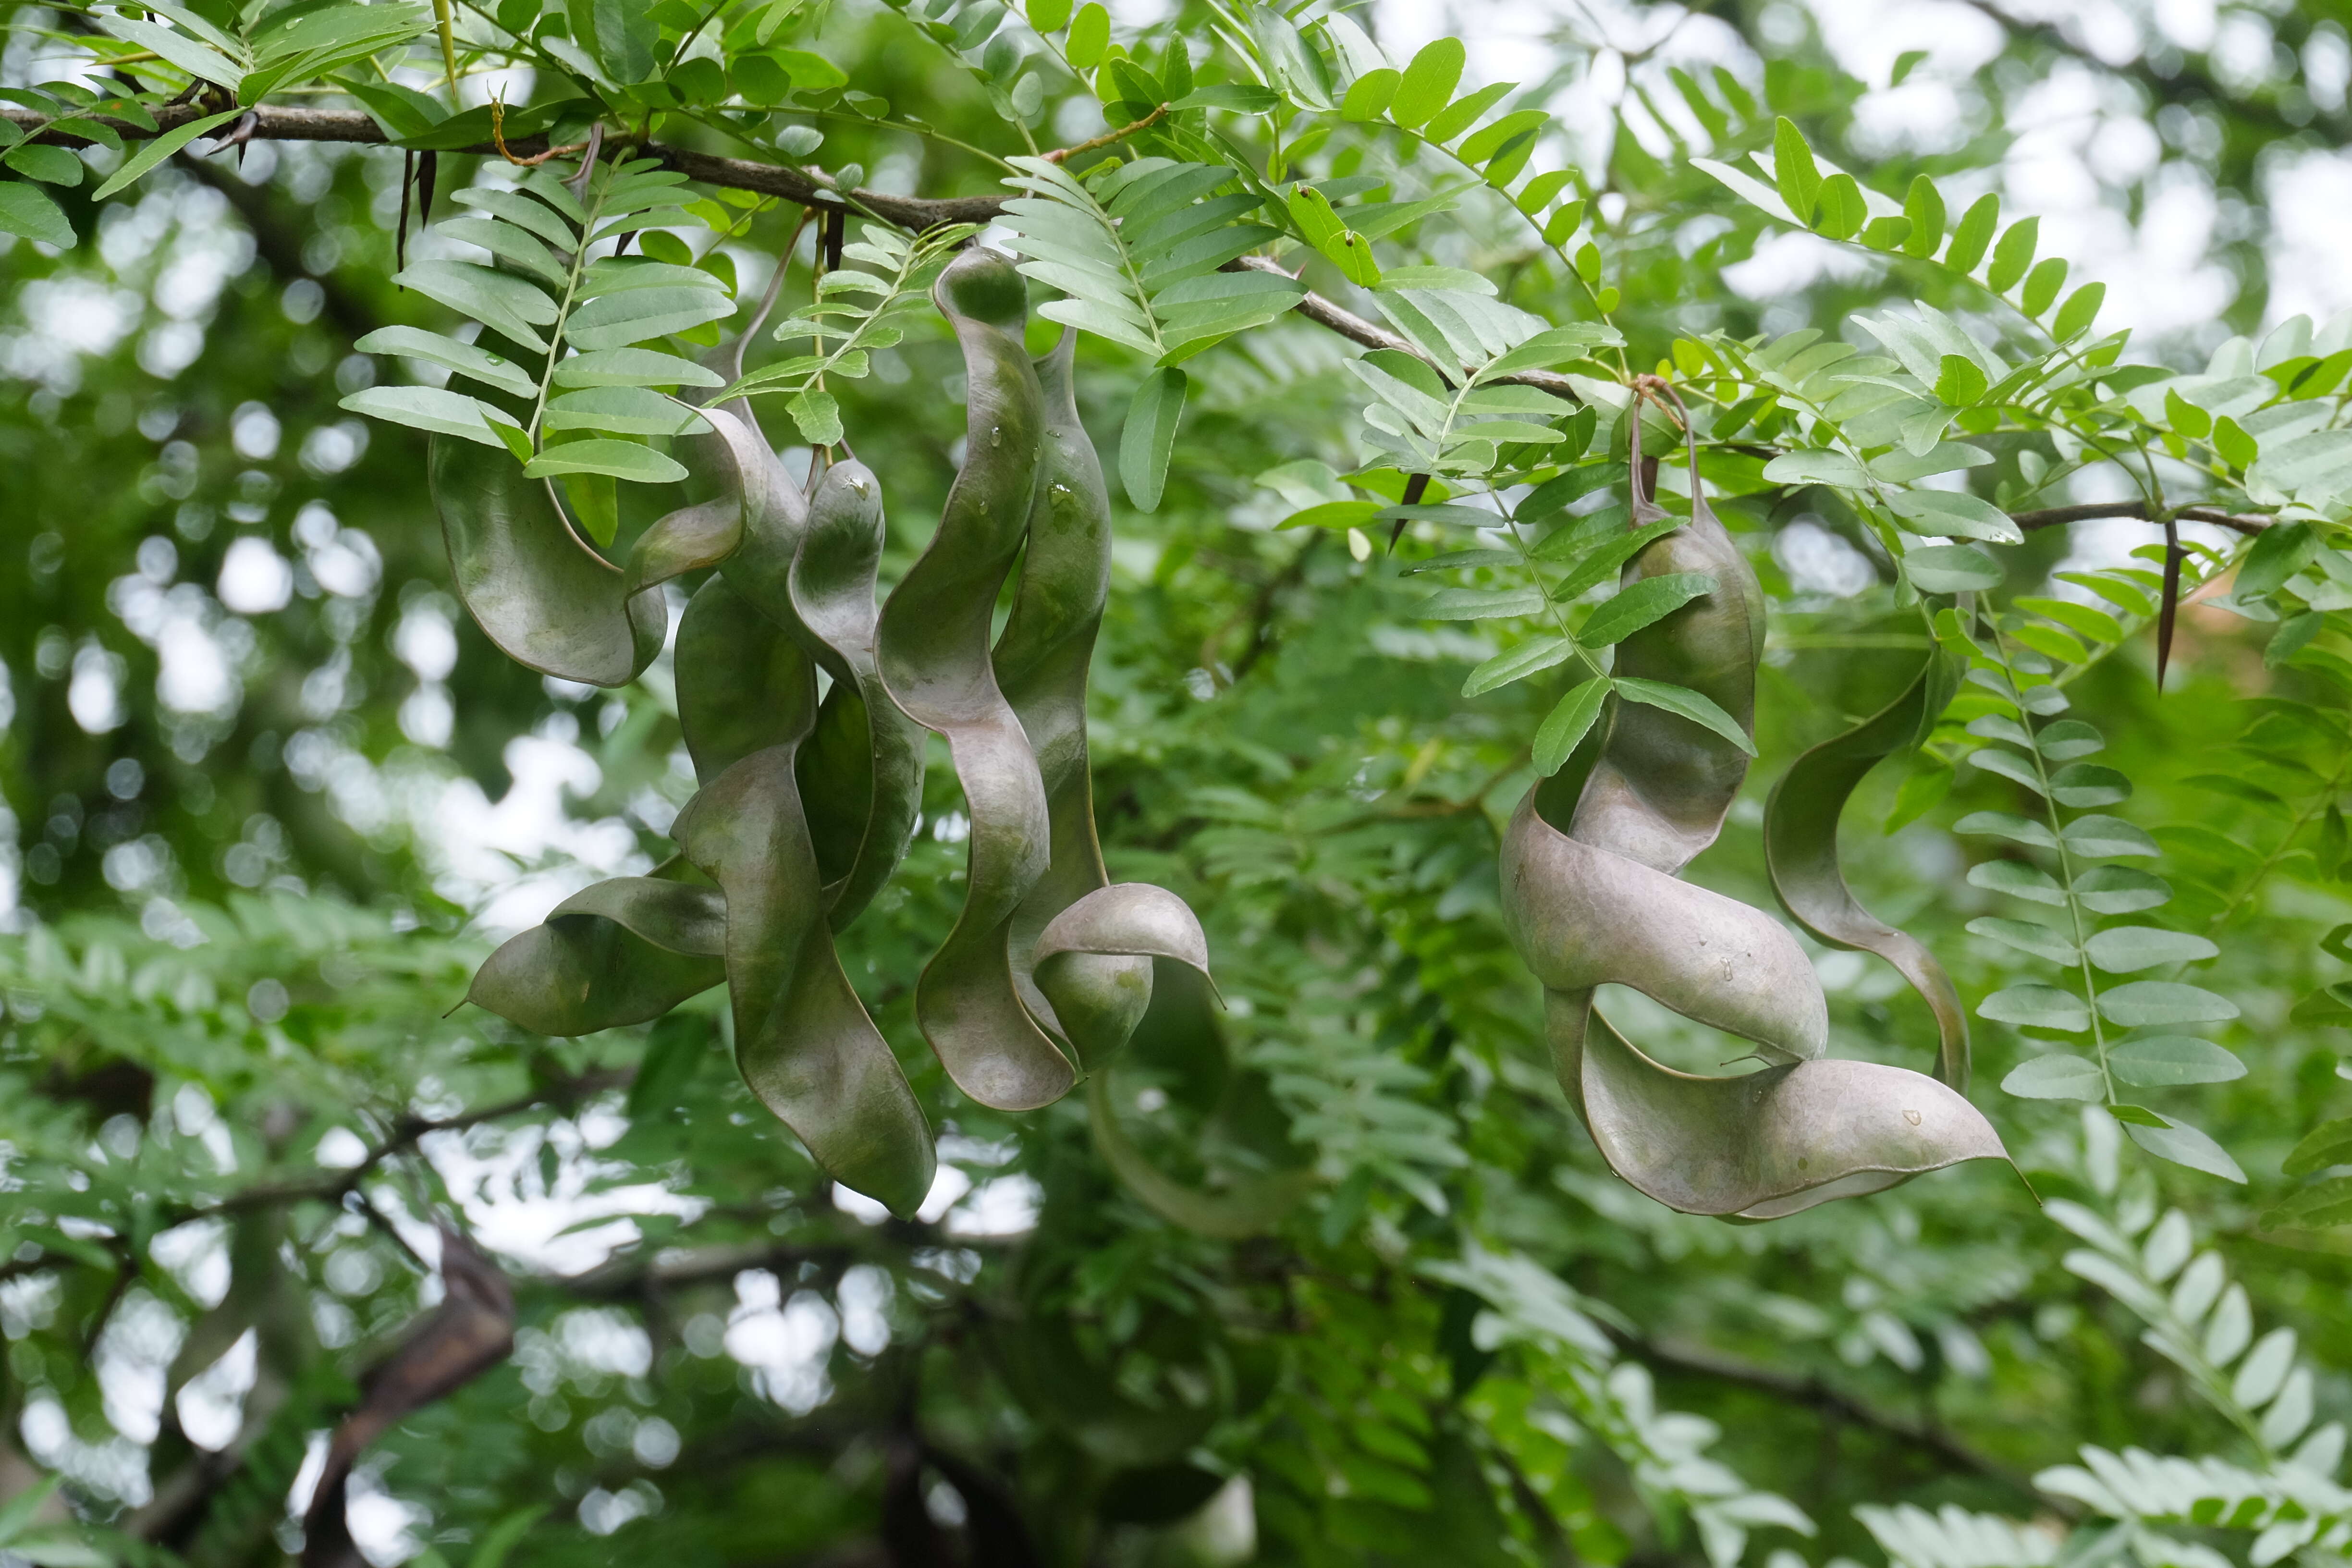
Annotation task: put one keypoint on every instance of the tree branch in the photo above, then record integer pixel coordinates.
(2197, 86)
(1064, 154)
(2053, 517)
(1695, 1362)
(279, 124)
(331, 1186)
(350, 126)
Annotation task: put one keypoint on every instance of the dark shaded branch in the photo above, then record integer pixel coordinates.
(2187, 85)
(1807, 1389)
(1259, 616)
(331, 1186)
(650, 1269)
(2053, 517)
(275, 122)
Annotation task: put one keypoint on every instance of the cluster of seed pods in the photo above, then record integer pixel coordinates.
(1593, 894)
(804, 807)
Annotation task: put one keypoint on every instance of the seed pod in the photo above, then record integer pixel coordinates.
(1603, 902)
(538, 590)
(1663, 783)
(933, 652)
(624, 951)
(1041, 661)
(735, 670)
(803, 1039)
(862, 771)
(735, 457)
(1801, 826)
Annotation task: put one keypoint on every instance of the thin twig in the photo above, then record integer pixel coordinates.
(2056, 516)
(498, 136)
(410, 1129)
(1336, 318)
(1060, 154)
(1810, 1390)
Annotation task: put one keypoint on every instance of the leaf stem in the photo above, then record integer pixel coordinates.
(1062, 154)
(2065, 864)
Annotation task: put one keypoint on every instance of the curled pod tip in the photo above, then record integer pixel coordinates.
(624, 951)
(1800, 850)
(536, 588)
(731, 460)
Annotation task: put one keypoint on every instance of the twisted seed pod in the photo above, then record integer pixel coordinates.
(1663, 783)
(731, 453)
(1603, 902)
(623, 951)
(932, 647)
(539, 592)
(804, 809)
(803, 1039)
(862, 771)
(1041, 661)
(1801, 824)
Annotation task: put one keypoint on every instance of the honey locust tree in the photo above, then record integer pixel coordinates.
(917, 785)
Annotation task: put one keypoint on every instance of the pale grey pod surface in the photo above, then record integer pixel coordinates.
(1585, 917)
(1602, 903)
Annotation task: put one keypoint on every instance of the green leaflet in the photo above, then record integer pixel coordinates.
(932, 646)
(623, 952)
(547, 297)
(539, 592)
(803, 1040)
(1800, 824)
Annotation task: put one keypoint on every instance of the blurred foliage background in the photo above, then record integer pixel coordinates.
(270, 795)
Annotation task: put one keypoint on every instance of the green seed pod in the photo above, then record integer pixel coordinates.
(1801, 824)
(862, 771)
(1041, 661)
(535, 587)
(803, 1039)
(624, 951)
(933, 652)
